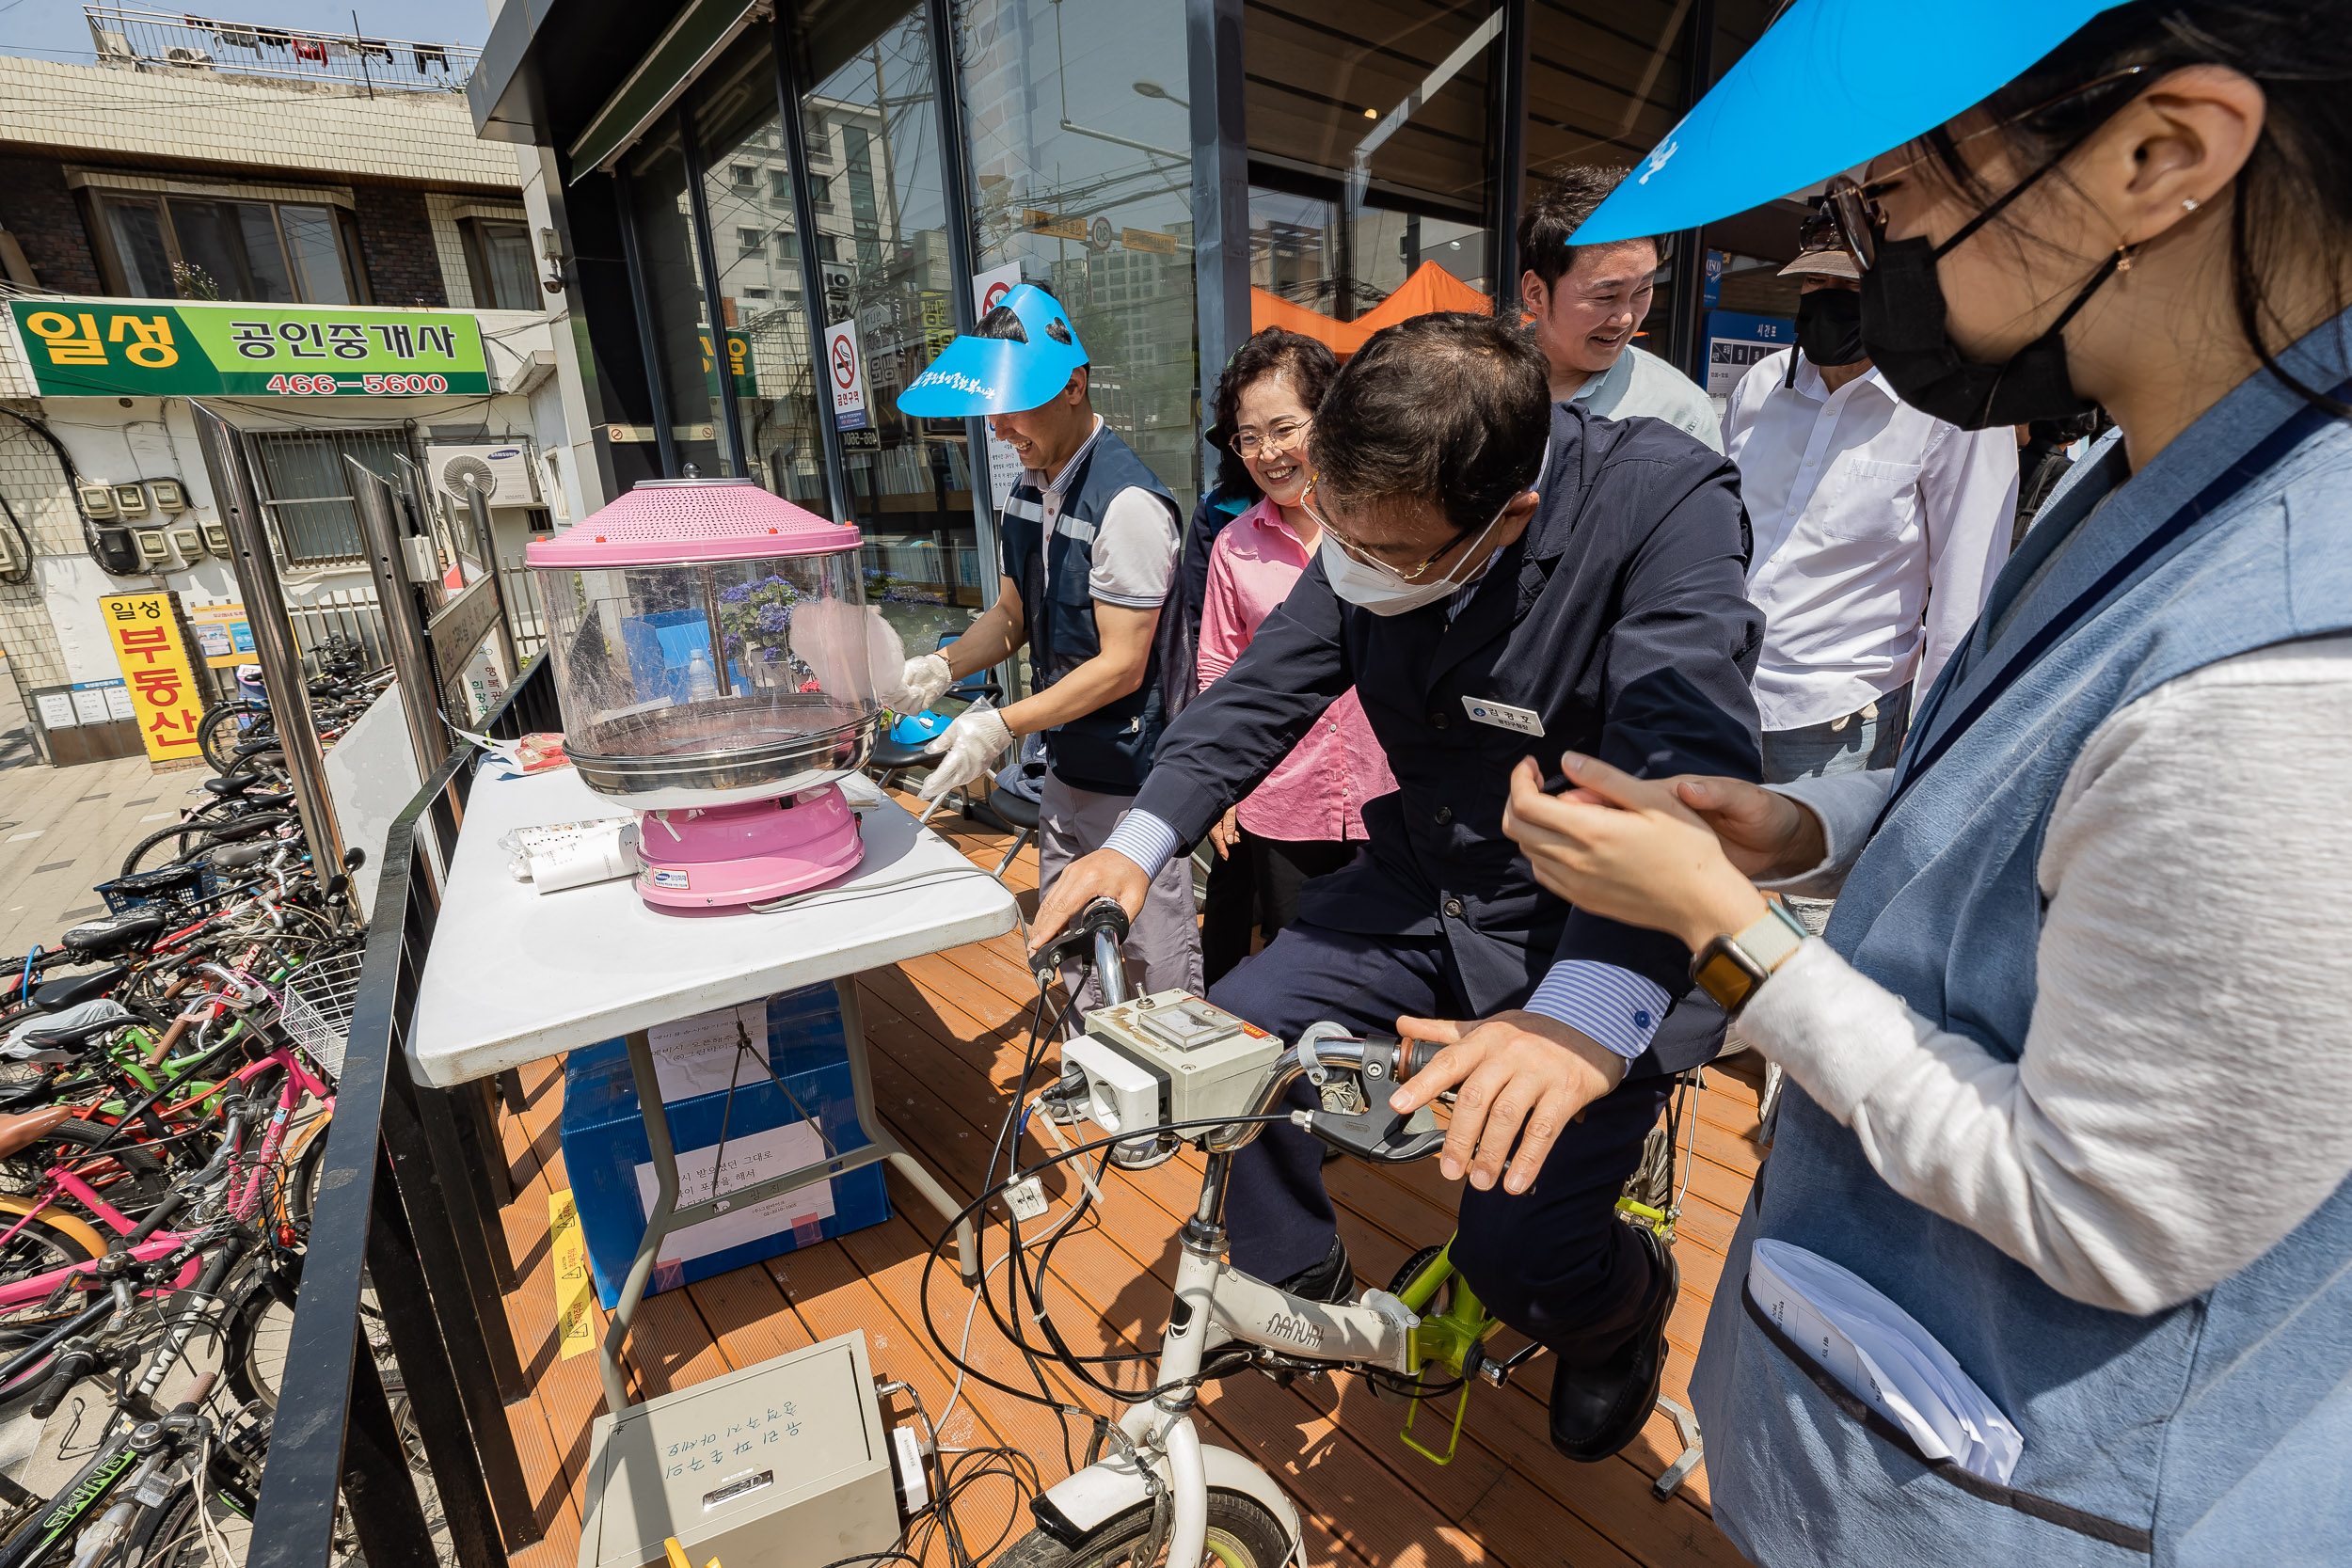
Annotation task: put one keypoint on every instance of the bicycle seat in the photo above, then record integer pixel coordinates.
(235, 785)
(240, 856)
(253, 748)
(20, 1133)
(66, 1037)
(245, 828)
(101, 939)
(56, 996)
(271, 801)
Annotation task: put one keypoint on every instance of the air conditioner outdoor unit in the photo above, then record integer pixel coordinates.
(505, 472)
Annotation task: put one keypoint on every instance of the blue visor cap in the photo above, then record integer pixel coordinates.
(1830, 85)
(997, 376)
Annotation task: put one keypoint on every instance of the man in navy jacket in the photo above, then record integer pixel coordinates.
(1499, 577)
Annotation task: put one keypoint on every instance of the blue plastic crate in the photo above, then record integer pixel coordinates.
(604, 1143)
(173, 887)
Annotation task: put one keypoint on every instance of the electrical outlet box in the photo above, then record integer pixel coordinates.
(98, 502)
(217, 539)
(130, 500)
(422, 563)
(169, 495)
(117, 552)
(1169, 1057)
(153, 551)
(188, 542)
(782, 1463)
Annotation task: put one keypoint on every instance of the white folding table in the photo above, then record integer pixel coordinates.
(515, 975)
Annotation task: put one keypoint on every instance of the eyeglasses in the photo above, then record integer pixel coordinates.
(1280, 437)
(1853, 207)
(1363, 553)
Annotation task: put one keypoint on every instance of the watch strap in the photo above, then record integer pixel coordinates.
(1731, 967)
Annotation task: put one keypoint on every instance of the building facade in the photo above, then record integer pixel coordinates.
(832, 189)
(239, 212)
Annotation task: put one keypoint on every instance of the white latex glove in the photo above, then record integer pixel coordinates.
(919, 685)
(967, 750)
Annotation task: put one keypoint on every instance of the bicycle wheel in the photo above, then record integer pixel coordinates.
(1242, 1534)
(177, 842)
(223, 725)
(126, 1175)
(38, 1246)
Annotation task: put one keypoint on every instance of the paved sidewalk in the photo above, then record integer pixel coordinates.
(64, 829)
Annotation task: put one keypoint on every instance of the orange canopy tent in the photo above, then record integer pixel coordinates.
(1430, 289)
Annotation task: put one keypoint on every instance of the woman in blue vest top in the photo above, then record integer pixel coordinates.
(2073, 1098)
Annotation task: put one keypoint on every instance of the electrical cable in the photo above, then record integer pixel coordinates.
(72, 487)
(24, 540)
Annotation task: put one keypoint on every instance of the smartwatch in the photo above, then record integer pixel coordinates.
(1731, 968)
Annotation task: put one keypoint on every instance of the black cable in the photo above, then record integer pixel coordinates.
(22, 539)
(72, 485)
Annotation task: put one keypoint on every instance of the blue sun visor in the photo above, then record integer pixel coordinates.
(1830, 85)
(998, 375)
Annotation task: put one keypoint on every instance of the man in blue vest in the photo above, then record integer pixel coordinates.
(1090, 553)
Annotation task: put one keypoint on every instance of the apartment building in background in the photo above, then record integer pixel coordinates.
(304, 230)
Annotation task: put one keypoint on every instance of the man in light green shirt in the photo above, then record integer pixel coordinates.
(1588, 302)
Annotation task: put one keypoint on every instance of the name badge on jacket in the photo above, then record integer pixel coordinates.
(1503, 716)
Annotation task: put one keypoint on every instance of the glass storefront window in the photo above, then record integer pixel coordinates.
(663, 221)
(872, 129)
(1360, 172)
(747, 189)
(1082, 178)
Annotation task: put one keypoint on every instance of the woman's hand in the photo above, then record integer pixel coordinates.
(1767, 836)
(1227, 834)
(1629, 849)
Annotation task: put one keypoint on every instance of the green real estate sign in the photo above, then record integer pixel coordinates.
(136, 348)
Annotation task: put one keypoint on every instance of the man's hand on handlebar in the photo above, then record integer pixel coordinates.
(1104, 874)
(1517, 1076)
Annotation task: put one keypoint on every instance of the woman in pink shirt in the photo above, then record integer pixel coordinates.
(1308, 817)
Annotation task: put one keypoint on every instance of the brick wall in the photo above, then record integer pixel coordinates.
(396, 245)
(36, 207)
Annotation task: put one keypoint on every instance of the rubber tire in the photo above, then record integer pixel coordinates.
(218, 731)
(1242, 1534)
(63, 1249)
(141, 1184)
(184, 837)
(1413, 1265)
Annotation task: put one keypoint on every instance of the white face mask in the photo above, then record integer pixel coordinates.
(1380, 590)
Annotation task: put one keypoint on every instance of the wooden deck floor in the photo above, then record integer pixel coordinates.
(944, 1034)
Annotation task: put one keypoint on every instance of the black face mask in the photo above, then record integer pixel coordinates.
(1902, 333)
(1829, 326)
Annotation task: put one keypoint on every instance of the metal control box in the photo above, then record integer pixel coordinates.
(784, 1465)
(1169, 1057)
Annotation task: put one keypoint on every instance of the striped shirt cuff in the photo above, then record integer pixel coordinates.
(1618, 1008)
(1148, 842)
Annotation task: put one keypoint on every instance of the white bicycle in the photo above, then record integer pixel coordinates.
(1171, 1067)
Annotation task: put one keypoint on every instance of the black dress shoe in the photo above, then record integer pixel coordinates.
(1598, 1410)
(1332, 1281)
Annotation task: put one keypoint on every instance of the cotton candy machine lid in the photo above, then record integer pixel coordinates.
(666, 521)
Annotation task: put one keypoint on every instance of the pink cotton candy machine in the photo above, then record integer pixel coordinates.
(717, 667)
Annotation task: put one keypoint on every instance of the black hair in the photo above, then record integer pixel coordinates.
(1451, 408)
(1001, 323)
(1559, 205)
(2292, 198)
(1306, 363)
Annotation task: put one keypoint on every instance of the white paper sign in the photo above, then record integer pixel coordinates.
(844, 375)
(56, 710)
(697, 1055)
(753, 1158)
(119, 702)
(89, 704)
(989, 289)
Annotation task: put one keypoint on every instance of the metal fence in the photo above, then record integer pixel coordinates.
(526, 619)
(306, 486)
(142, 40)
(352, 615)
(408, 1211)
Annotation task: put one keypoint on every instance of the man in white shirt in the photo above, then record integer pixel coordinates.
(1588, 302)
(1877, 532)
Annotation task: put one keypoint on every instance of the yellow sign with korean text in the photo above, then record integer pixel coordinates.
(145, 633)
(575, 1290)
(1055, 225)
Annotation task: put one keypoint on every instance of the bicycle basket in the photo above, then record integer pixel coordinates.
(318, 1002)
(173, 887)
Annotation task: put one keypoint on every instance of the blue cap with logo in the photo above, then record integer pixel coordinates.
(1001, 375)
(1871, 75)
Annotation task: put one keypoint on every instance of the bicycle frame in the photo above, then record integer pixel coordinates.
(299, 1082)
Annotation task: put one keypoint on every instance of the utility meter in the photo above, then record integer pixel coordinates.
(217, 539)
(117, 552)
(130, 500)
(188, 542)
(1169, 1057)
(170, 496)
(151, 548)
(98, 502)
